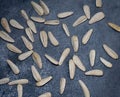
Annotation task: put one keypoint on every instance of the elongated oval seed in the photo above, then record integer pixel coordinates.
(47, 94)
(38, 19)
(13, 48)
(20, 90)
(86, 10)
(64, 55)
(14, 68)
(87, 36)
(52, 38)
(15, 24)
(80, 20)
(84, 88)
(52, 22)
(65, 14)
(105, 62)
(62, 85)
(110, 52)
(19, 81)
(52, 60)
(35, 73)
(65, 28)
(6, 37)
(98, 3)
(95, 72)
(25, 55)
(114, 26)
(97, 17)
(4, 81)
(31, 25)
(92, 55)
(29, 33)
(44, 81)
(5, 24)
(24, 14)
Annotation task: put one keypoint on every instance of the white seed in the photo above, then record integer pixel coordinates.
(84, 88)
(14, 68)
(44, 38)
(110, 52)
(37, 8)
(38, 19)
(65, 28)
(13, 48)
(25, 55)
(62, 85)
(87, 36)
(29, 33)
(105, 62)
(98, 3)
(52, 22)
(97, 17)
(78, 63)
(4, 81)
(44, 81)
(92, 55)
(6, 37)
(15, 24)
(31, 25)
(47, 94)
(52, 38)
(114, 26)
(51, 59)
(5, 24)
(27, 43)
(19, 81)
(37, 59)
(35, 73)
(80, 20)
(20, 90)
(24, 14)
(64, 55)
(86, 10)
(94, 72)
(65, 14)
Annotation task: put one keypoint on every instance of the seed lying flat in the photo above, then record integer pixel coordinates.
(25, 55)
(94, 72)
(29, 33)
(105, 62)
(24, 14)
(19, 81)
(38, 19)
(78, 63)
(97, 17)
(5, 24)
(44, 81)
(84, 88)
(65, 14)
(98, 3)
(31, 25)
(92, 55)
(80, 20)
(6, 37)
(4, 81)
(75, 43)
(87, 36)
(35, 73)
(20, 90)
(62, 85)
(86, 10)
(37, 59)
(110, 52)
(47, 94)
(114, 26)
(65, 28)
(14, 68)
(15, 24)
(64, 55)
(52, 22)
(52, 38)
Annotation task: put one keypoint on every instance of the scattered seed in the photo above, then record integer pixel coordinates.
(94, 72)
(19, 81)
(24, 14)
(62, 85)
(114, 26)
(29, 33)
(105, 62)
(31, 25)
(86, 10)
(20, 90)
(47, 94)
(65, 14)
(38, 19)
(52, 22)
(65, 28)
(4, 81)
(92, 55)
(98, 3)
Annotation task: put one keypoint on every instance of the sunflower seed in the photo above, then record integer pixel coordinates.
(94, 72)
(98, 3)
(52, 22)
(44, 38)
(6, 37)
(38, 19)
(86, 10)
(47, 94)
(37, 59)
(80, 20)
(105, 62)
(24, 14)
(65, 14)
(64, 55)
(5, 25)
(52, 38)
(20, 90)
(84, 88)
(15, 24)
(52, 60)
(25, 55)
(37, 8)
(65, 28)
(14, 68)
(13, 48)
(92, 55)
(78, 63)
(31, 25)
(4, 81)
(110, 52)
(44, 81)
(35, 73)
(62, 85)
(87, 36)
(19, 81)
(97, 17)
(114, 26)
(29, 33)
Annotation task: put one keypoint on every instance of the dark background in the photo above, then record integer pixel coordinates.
(106, 86)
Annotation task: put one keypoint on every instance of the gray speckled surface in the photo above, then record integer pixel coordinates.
(106, 86)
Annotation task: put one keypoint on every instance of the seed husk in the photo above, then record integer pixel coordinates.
(4, 81)
(38, 19)
(114, 26)
(86, 10)
(65, 28)
(105, 62)
(92, 55)
(19, 81)
(47, 94)
(62, 85)
(24, 14)
(98, 3)
(29, 33)
(95, 72)
(65, 14)
(52, 22)
(110, 52)
(20, 90)
(31, 25)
